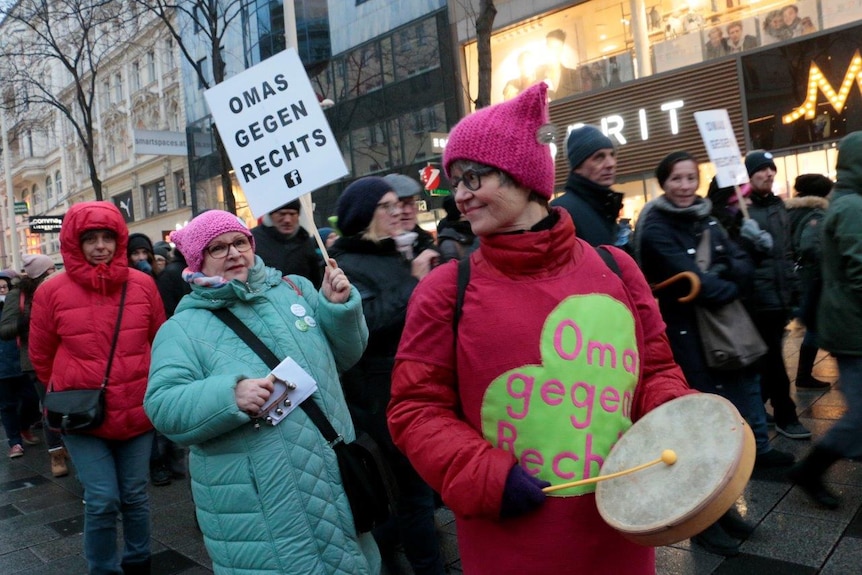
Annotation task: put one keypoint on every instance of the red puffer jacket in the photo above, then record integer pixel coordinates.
(74, 315)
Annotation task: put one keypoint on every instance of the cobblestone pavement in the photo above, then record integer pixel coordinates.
(41, 517)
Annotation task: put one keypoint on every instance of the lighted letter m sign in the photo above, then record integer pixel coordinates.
(817, 81)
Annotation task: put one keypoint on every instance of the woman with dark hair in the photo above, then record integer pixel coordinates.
(19, 404)
(15, 324)
(676, 233)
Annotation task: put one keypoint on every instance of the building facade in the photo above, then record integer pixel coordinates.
(787, 72)
(139, 143)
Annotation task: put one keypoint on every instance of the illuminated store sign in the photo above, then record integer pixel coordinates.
(614, 125)
(817, 82)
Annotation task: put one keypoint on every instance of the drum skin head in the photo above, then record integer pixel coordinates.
(665, 504)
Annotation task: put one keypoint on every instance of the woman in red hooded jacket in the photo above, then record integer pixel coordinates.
(72, 325)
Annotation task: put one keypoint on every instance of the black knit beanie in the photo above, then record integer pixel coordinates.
(137, 241)
(356, 204)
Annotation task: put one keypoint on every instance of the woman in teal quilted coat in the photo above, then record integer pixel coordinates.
(268, 500)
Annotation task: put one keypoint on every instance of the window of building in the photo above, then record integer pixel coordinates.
(415, 49)
(370, 149)
(49, 189)
(37, 198)
(136, 76)
(118, 87)
(151, 66)
(170, 59)
(180, 187)
(58, 183)
(106, 95)
(364, 72)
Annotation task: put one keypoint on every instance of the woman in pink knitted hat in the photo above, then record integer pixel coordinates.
(490, 394)
(269, 498)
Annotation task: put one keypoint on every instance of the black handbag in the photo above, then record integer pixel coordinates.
(78, 410)
(368, 481)
(728, 337)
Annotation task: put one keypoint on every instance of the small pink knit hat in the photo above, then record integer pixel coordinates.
(193, 239)
(505, 136)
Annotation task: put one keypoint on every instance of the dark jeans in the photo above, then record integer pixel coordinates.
(19, 407)
(413, 524)
(774, 383)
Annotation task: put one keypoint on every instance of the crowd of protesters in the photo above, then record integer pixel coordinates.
(401, 332)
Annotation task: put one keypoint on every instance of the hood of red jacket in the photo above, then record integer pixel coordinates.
(88, 216)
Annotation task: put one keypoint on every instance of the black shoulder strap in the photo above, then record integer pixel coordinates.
(609, 260)
(116, 335)
(463, 280)
(250, 338)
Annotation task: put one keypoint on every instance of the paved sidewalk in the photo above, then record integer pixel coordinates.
(41, 517)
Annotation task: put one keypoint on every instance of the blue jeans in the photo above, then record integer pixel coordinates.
(742, 389)
(114, 475)
(844, 436)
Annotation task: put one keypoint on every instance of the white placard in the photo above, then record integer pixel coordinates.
(716, 131)
(275, 132)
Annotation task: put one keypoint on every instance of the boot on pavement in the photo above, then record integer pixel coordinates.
(804, 379)
(808, 474)
(58, 462)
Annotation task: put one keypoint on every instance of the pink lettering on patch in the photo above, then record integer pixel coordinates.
(558, 339)
(559, 459)
(586, 403)
(524, 394)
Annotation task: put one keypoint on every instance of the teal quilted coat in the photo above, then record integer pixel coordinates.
(270, 500)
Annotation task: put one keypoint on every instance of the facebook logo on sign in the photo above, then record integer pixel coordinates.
(293, 178)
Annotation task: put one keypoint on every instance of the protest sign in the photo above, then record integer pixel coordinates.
(717, 134)
(275, 132)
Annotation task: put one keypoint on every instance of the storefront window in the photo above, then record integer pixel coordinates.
(591, 46)
(576, 50)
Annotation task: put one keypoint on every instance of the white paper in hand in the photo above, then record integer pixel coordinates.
(299, 387)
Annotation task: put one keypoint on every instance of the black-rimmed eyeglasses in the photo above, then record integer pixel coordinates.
(220, 251)
(471, 178)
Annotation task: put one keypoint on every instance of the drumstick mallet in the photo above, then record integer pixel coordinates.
(668, 457)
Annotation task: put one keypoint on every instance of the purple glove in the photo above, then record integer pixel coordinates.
(522, 494)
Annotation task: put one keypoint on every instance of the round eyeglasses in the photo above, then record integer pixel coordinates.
(472, 179)
(220, 251)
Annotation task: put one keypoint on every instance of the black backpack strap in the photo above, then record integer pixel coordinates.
(609, 260)
(463, 280)
(309, 406)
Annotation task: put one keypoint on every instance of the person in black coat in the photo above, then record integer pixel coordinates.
(670, 238)
(772, 301)
(369, 216)
(282, 244)
(589, 199)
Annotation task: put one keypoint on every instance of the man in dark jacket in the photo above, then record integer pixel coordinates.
(408, 191)
(593, 205)
(771, 302)
(838, 319)
(284, 245)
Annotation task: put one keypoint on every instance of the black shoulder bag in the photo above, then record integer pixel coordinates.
(80, 410)
(365, 474)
